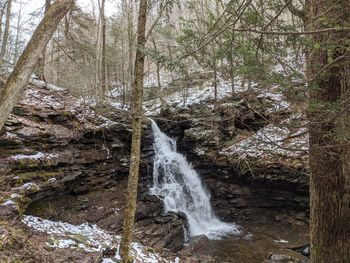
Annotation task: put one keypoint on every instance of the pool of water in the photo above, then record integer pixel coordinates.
(264, 242)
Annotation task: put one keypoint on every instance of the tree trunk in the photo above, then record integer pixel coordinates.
(29, 58)
(329, 117)
(130, 39)
(101, 56)
(2, 11)
(18, 29)
(6, 34)
(42, 62)
(103, 59)
(157, 66)
(136, 113)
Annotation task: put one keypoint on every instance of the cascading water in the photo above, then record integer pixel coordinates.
(180, 188)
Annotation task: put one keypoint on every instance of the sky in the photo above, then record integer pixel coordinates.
(27, 7)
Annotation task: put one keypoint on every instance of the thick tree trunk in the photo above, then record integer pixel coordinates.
(29, 58)
(329, 116)
(6, 33)
(136, 112)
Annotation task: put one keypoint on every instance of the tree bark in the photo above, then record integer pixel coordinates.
(6, 34)
(329, 116)
(2, 11)
(103, 59)
(29, 58)
(101, 56)
(43, 56)
(157, 66)
(136, 113)
(17, 44)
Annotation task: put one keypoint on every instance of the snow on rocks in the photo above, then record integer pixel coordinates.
(188, 97)
(43, 84)
(90, 238)
(37, 156)
(45, 100)
(27, 188)
(270, 140)
(9, 202)
(278, 102)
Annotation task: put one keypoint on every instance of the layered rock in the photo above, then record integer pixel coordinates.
(250, 151)
(61, 159)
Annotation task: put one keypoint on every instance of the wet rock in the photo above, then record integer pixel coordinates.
(168, 231)
(287, 257)
(304, 250)
(110, 251)
(197, 245)
(148, 206)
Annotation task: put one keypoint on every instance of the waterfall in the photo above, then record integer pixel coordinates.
(180, 188)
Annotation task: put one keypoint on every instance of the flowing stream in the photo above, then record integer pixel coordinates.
(180, 188)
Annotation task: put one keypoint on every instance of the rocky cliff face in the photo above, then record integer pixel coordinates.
(248, 163)
(62, 160)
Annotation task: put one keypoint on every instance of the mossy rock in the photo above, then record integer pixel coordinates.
(42, 176)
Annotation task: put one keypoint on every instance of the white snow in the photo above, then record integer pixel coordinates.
(93, 239)
(189, 96)
(9, 202)
(43, 84)
(27, 186)
(278, 102)
(37, 156)
(281, 241)
(118, 105)
(270, 140)
(195, 95)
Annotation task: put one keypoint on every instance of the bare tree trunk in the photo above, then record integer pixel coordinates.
(123, 75)
(101, 56)
(157, 66)
(29, 58)
(136, 112)
(214, 66)
(42, 61)
(232, 67)
(215, 84)
(103, 59)
(6, 33)
(329, 118)
(130, 40)
(2, 11)
(18, 29)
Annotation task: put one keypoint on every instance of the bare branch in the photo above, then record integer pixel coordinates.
(294, 10)
(157, 19)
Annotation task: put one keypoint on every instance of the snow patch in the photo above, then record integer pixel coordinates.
(9, 202)
(37, 156)
(43, 84)
(281, 241)
(91, 239)
(270, 140)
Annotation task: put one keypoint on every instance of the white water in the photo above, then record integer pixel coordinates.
(180, 188)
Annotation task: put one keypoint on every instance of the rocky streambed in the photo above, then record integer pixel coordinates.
(65, 161)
